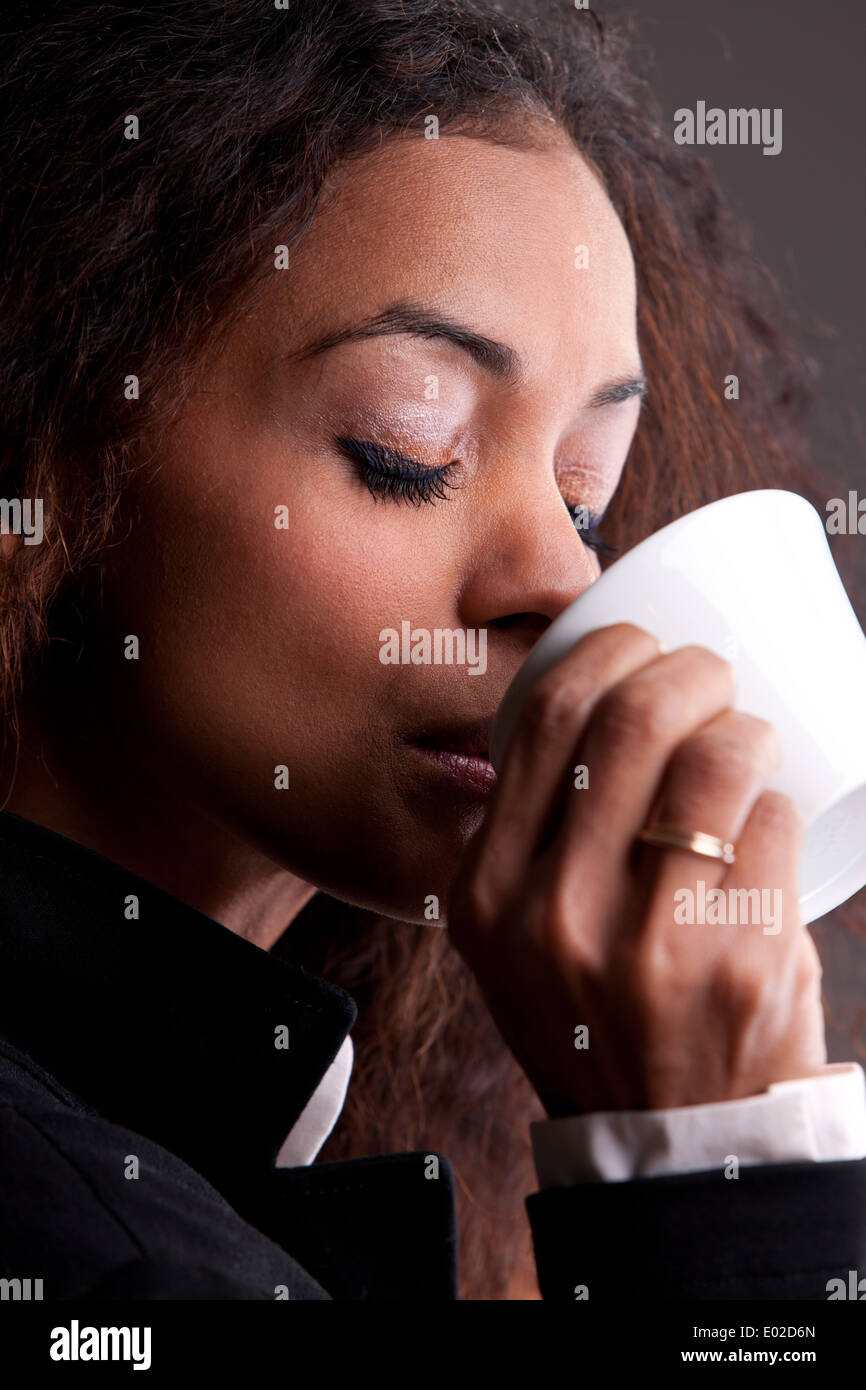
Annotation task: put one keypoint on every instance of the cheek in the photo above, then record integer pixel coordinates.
(267, 585)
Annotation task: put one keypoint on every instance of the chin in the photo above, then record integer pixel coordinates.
(416, 892)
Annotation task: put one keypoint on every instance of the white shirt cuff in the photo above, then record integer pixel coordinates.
(811, 1119)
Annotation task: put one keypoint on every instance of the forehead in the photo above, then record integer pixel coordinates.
(522, 243)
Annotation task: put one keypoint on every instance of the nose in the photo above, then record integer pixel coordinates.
(530, 564)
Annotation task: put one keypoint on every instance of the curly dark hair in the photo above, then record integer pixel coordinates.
(134, 256)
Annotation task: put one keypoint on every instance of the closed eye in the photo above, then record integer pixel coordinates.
(388, 473)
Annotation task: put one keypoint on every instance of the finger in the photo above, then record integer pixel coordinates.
(710, 785)
(633, 734)
(768, 851)
(765, 959)
(541, 752)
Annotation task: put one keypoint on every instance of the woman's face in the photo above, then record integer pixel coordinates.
(265, 560)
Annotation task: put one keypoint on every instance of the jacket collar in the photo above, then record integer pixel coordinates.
(167, 1024)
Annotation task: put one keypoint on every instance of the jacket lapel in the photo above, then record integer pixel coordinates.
(177, 1028)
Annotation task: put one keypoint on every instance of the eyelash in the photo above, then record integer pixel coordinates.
(590, 535)
(389, 474)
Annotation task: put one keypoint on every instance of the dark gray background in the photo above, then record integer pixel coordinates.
(807, 205)
(807, 210)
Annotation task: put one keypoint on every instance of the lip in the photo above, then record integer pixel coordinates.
(460, 753)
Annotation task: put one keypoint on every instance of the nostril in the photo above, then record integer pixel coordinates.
(528, 622)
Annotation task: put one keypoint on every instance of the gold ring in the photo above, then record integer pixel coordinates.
(695, 841)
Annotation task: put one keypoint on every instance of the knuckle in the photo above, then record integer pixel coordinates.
(562, 934)
(777, 817)
(730, 756)
(639, 712)
(760, 729)
(655, 963)
(721, 761)
(550, 712)
(627, 635)
(556, 920)
(809, 970)
(738, 991)
(711, 662)
(761, 736)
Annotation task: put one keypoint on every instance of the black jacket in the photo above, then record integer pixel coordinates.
(147, 1046)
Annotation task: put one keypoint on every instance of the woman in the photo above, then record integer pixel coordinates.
(319, 322)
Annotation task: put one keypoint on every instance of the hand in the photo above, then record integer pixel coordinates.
(565, 921)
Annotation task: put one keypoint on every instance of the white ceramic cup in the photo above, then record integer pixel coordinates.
(752, 578)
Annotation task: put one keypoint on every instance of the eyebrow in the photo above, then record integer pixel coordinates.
(498, 360)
